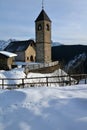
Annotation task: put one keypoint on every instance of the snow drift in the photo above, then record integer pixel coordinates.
(44, 108)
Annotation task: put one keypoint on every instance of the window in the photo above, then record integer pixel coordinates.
(47, 27)
(39, 27)
(27, 58)
(31, 44)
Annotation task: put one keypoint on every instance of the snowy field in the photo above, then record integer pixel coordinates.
(44, 108)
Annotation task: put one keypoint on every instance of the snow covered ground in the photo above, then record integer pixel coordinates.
(44, 108)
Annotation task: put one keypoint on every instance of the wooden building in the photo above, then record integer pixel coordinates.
(6, 60)
(25, 50)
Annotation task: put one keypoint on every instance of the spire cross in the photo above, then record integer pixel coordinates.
(42, 4)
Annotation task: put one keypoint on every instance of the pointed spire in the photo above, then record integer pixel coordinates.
(43, 16)
(42, 4)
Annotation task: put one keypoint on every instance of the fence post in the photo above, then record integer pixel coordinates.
(23, 82)
(85, 79)
(2, 83)
(47, 81)
(69, 79)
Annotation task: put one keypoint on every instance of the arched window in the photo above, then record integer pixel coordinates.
(47, 27)
(39, 27)
(31, 44)
(31, 58)
(27, 58)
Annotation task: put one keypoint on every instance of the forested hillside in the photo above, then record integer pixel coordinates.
(67, 53)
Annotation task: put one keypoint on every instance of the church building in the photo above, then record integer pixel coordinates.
(35, 51)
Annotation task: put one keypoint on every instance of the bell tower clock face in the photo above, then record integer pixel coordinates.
(39, 27)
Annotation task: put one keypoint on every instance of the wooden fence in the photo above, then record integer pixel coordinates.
(43, 81)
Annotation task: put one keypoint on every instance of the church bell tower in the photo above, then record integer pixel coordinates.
(43, 37)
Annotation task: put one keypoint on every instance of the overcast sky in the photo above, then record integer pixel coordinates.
(69, 19)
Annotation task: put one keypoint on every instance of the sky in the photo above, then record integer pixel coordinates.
(69, 19)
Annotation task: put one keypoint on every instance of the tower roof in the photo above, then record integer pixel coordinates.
(43, 16)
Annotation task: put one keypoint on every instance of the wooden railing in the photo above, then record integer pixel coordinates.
(42, 81)
(41, 65)
(33, 67)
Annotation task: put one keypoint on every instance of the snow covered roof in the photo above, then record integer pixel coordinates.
(8, 54)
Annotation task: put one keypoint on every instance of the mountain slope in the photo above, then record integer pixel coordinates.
(56, 44)
(3, 43)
